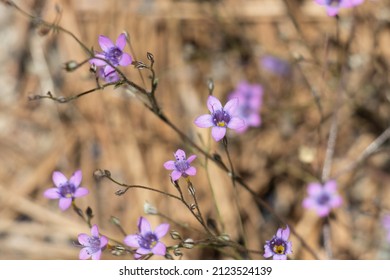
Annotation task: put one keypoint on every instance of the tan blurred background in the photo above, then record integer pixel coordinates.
(193, 41)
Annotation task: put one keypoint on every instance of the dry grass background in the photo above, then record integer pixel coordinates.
(193, 41)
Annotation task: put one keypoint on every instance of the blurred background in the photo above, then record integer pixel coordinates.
(330, 66)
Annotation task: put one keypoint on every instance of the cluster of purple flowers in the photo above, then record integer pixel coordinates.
(111, 56)
(250, 99)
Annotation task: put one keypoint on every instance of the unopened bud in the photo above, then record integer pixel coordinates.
(177, 253)
(188, 243)
(175, 235)
(98, 174)
(71, 66)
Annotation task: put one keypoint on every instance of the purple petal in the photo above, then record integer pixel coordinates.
(213, 104)
(332, 11)
(84, 253)
(191, 158)
(137, 256)
(242, 129)
(105, 43)
(161, 230)
(97, 255)
(111, 78)
(81, 192)
(322, 211)
(84, 239)
(95, 231)
(144, 226)
(279, 257)
(180, 154)
(336, 201)
(267, 252)
(103, 241)
(309, 203)
(204, 121)
(121, 41)
(59, 178)
(253, 120)
(279, 233)
(65, 203)
(357, 2)
(330, 186)
(175, 175)
(231, 106)
(236, 123)
(191, 171)
(143, 251)
(132, 240)
(285, 233)
(218, 132)
(322, 2)
(52, 193)
(288, 248)
(76, 178)
(98, 62)
(169, 165)
(314, 189)
(108, 70)
(159, 249)
(126, 59)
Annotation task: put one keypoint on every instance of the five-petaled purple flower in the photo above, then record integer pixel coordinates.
(220, 117)
(114, 54)
(333, 6)
(278, 247)
(146, 240)
(92, 245)
(249, 102)
(66, 190)
(322, 198)
(181, 166)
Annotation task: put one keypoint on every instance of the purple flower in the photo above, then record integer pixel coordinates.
(322, 198)
(66, 190)
(220, 117)
(249, 102)
(181, 167)
(278, 247)
(92, 245)
(386, 225)
(275, 65)
(146, 240)
(333, 6)
(112, 53)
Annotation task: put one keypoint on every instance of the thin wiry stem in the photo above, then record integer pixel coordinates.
(235, 192)
(181, 198)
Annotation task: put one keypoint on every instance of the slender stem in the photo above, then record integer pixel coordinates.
(235, 192)
(181, 198)
(127, 187)
(63, 99)
(192, 192)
